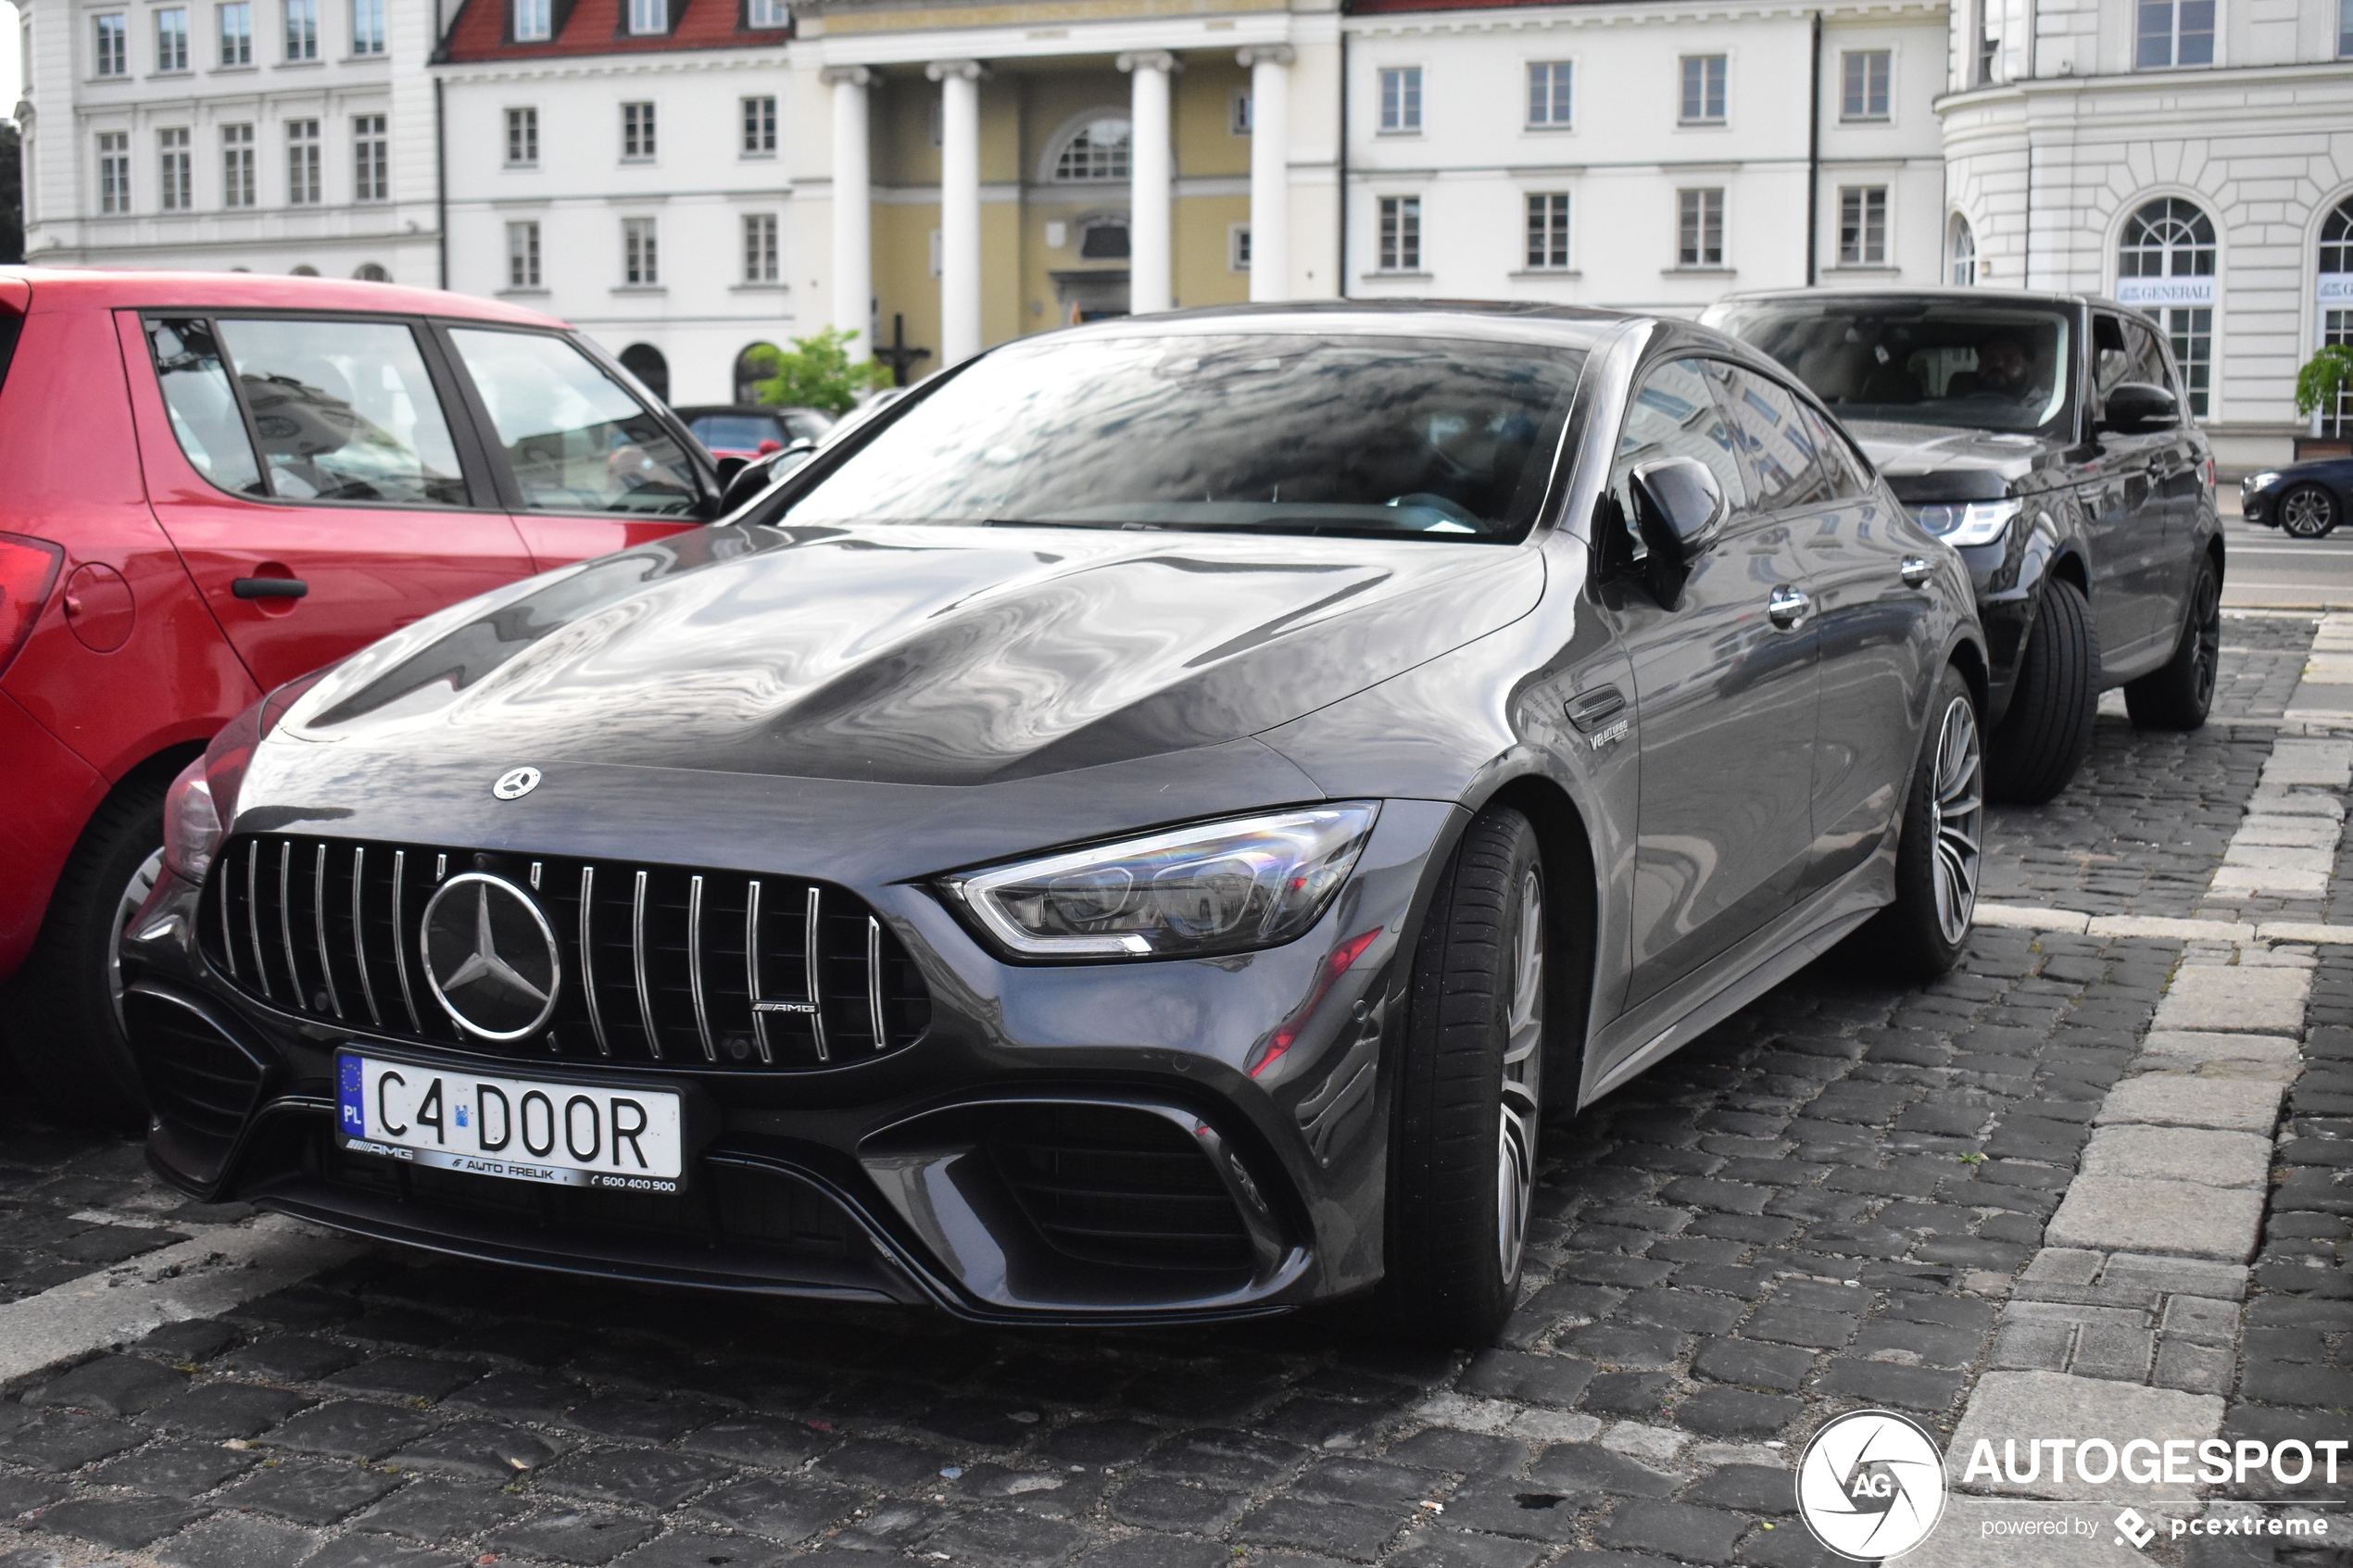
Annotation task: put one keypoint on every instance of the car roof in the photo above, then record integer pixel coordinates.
(72, 288)
(1940, 294)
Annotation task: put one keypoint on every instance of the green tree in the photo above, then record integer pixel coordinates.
(815, 373)
(2327, 373)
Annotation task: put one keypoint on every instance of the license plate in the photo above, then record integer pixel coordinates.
(568, 1134)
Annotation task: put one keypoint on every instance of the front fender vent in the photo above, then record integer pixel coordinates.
(660, 965)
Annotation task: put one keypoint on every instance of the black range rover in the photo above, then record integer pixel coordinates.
(2044, 436)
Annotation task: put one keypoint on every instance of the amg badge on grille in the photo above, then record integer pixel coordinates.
(516, 783)
(490, 957)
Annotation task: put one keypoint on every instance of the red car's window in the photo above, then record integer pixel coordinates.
(203, 405)
(344, 412)
(577, 441)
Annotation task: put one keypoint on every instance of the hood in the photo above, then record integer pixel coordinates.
(944, 655)
(1939, 463)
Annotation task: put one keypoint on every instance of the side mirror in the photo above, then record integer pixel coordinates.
(1678, 506)
(2137, 406)
(758, 474)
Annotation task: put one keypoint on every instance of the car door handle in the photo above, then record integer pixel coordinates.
(268, 588)
(1787, 607)
(1588, 709)
(1917, 572)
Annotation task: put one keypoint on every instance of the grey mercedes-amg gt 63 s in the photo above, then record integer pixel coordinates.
(1142, 830)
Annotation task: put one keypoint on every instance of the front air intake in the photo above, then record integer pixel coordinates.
(1108, 1184)
(658, 965)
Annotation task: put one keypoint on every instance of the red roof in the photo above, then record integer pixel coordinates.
(597, 27)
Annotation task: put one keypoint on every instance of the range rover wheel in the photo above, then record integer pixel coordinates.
(2309, 511)
(2042, 738)
(1920, 934)
(1471, 1091)
(2177, 696)
(64, 1019)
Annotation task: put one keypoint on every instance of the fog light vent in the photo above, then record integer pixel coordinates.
(1108, 1184)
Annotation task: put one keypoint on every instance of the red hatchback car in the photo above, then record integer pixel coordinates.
(219, 482)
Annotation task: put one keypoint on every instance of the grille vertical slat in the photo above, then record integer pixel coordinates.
(647, 979)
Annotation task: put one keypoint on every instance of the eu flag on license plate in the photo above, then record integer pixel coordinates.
(354, 1115)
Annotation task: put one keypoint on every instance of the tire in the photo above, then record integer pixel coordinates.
(1469, 1091)
(1941, 848)
(63, 1014)
(2308, 512)
(2042, 738)
(2177, 696)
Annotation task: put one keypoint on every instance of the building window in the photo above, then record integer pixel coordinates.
(2167, 238)
(1400, 100)
(1963, 251)
(760, 247)
(1988, 48)
(367, 27)
(2336, 321)
(176, 178)
(523, 138)
(640, 253)
(2174, 32)
(1100, 239)
(522, 256)
(302, 30)
(1238, 247)
(1548, 233)
(1238, 108)
(2191, 331)
(1401, 234)
(1098, 151)
(236, 34)
(648, 17)
(114, 172)
(1548, 95)
(1863, 78)
(768, 14)
(1862, 226)
(172, 39)
(302, 162)
(1699, 228)
(2345, 28)
(1704, 79)
(371, 171)
(534, 21)
(236, 166)
(114, 46)
(637, 131)
(759, 127)
(2336, 240)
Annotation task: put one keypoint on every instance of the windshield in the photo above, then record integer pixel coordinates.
(739, 433)
(1281, 434)
(1974, 366)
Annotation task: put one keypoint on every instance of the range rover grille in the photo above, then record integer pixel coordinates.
(660, 965)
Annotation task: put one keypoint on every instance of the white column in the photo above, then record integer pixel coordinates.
(1151, 174)
(854, 208)
(959, 209)
(1269, 169)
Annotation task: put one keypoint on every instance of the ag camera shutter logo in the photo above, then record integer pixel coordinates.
(1871, 1484)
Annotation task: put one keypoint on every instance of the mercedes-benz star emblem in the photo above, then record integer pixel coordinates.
(516, 783)
(490, 957)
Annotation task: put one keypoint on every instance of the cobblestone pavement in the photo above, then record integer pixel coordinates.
(1826, 1203)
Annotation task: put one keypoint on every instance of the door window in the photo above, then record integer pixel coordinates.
(1841, 469)
(343, 411)
(203, 405)
(578, 442)
(1673, 414)
(2148, 359)
(1779, 440)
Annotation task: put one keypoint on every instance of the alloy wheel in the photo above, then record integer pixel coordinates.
(1523, 1080)
(134, 893)
(1961, 819)
(2307, 512)
(2206, 626)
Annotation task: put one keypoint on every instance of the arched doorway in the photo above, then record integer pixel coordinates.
(645, 361)
(1962, 247)
(757, 363)
(2333, 294)
(2165, 264)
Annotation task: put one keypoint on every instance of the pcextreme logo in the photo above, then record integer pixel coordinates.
(1871, 1484)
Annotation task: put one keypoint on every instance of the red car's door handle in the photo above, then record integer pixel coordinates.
(268, 588)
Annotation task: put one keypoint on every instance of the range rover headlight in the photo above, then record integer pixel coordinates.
(1963, 523)
(1190, 892)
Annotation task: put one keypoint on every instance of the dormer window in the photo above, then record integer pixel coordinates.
(647, 17)
(534, 21)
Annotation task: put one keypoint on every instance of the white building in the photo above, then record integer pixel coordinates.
(2190, 158)
(267, 135)
(1646, 153)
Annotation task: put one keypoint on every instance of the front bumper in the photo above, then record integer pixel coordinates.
(1111, 1142)
(2255, 506)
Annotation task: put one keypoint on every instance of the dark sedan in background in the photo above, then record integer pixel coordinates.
(2304, 500)
(1142, 829)
(2047, 437)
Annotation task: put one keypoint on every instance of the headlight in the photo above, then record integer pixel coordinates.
(2259, 481)
(1213, 887)
(191, 825)
(1975, 522)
